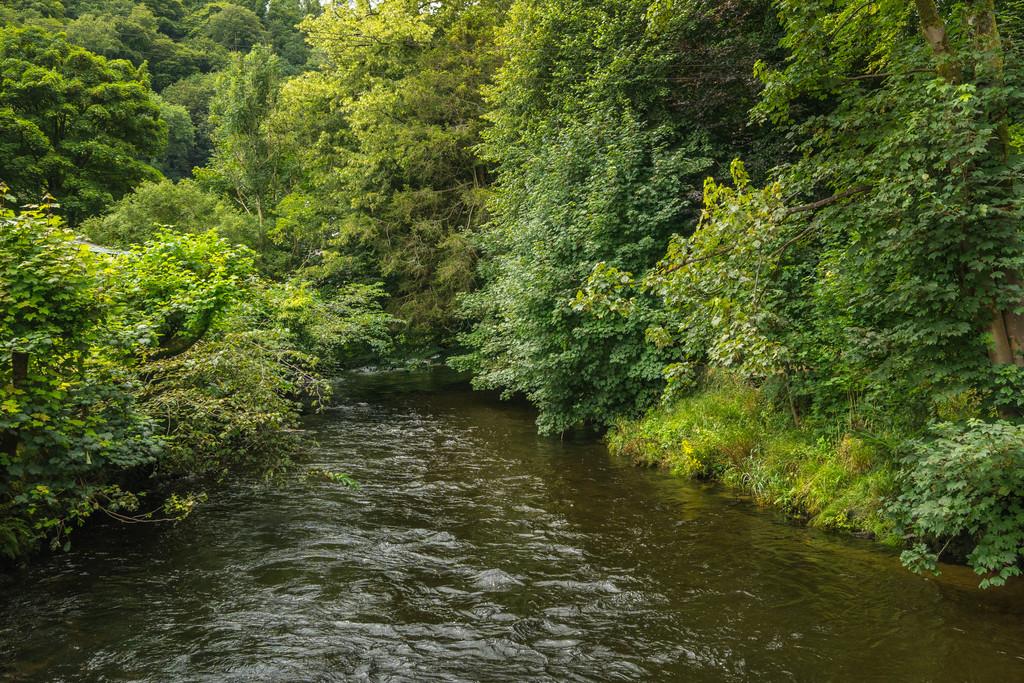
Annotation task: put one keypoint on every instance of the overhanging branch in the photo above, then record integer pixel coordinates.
(828, 201)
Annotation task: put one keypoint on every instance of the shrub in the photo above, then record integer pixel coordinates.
(69, 420)
(174, 359)
(965, 482)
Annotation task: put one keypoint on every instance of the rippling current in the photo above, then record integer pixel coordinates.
(477, 551)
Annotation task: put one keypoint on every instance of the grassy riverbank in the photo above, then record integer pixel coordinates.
(728, 432)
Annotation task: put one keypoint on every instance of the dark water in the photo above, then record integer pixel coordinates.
(476, 551)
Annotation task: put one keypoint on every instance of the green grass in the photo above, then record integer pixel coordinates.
(727, 432)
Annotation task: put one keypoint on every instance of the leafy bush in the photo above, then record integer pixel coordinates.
(598, 162)
(174, 289)
(174, 359)
(965, 483)
(585, 205)
(231, 357)
(182, 206)
(342, 326)
(230, 404)
(68, 410)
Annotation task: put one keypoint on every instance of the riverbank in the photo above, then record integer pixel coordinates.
(727, 432)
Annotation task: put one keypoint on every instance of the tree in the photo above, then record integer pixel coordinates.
(400, 94)
(154, 206)
(170, 16)
(42, 13)
(194, 94)
(138, 37)
(231, 26)
(181, 136)
(602, 129)
(986, 61)
(247, 164)
(917, 111)
(282, 21)
(73, 124)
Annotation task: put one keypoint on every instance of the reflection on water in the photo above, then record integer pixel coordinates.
(478, 551)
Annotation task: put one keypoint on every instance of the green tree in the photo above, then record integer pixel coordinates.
(882, 285)
(875, 280)
(137, 36)
(73, 123)
(172, 360)
(170, 15)
(231, 26)
(282, 22)
(602, 130)
(181, 137)
(399, 94)
(229, 356)
(194, 94)
(184, 206)
(248, 164)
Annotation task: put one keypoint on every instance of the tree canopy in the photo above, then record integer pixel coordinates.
(73, 124)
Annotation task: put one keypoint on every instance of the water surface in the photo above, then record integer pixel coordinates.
(477, 551)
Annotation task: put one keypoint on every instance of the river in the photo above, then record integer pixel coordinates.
(476, 550)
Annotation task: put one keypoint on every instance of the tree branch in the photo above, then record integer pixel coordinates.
(696, 259)
(886, 74)
(933, 28)
(828, 201)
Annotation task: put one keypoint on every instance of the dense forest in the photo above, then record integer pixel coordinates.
(774, 243)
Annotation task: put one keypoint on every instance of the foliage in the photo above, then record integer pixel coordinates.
(584, 207)
(858, 304)
(231, 26)
(731, 431)
(183, 206)
(229, 404)
(895, 288)
(319, 474)
(174, 289)
(282, 22)
(341, 326)
(72, 123)
(524, 176)
(921, 258)
(385, 132)
(194, 94)
(965, 482)
(598, 163)
(180, 47)
(140, 35)
(247, 164)
(173, 360)
(68, 412)
(181, 138)
(233, 354)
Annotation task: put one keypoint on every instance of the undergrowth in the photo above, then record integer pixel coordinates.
(729, 432)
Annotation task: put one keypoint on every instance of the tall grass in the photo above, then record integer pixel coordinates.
(727, 431)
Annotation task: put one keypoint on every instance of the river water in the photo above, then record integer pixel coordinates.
(477, 551)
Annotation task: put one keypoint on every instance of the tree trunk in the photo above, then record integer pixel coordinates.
(934, 30)
(1006, 327)
(1007, 330)
(19, 375)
